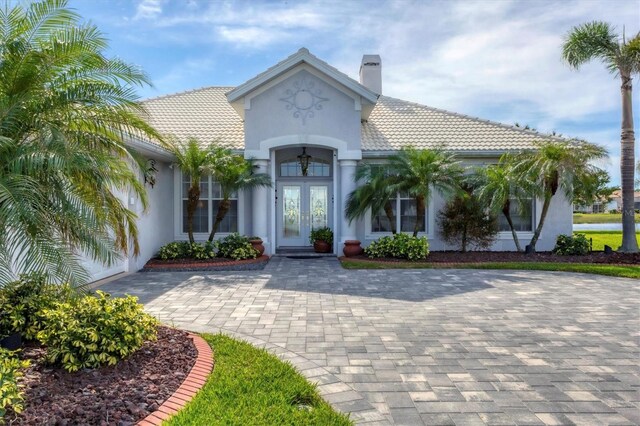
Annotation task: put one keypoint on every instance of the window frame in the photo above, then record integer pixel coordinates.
(398, 200)
(179, 233)
(507, 232)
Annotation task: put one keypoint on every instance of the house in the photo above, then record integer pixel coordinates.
(616, 198)
(301, 107)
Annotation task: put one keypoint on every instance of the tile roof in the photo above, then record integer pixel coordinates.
(206, 115)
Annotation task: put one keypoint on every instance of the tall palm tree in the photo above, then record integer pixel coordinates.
(555, 166)
(233, 173)
(598, 40)
(499, 188)
(375, 193)
(65, 112)
(197, 163)
(419, 172)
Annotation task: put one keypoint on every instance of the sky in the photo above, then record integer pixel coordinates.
(498, 60)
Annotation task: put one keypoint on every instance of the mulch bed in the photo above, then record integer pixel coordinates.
(119, 395)
(508, 256)
(215, 264)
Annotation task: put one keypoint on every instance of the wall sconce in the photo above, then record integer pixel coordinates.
(150, 173)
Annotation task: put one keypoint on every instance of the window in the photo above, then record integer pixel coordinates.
(522, 218)
(317, 168)
(405, 221)
(210, 198)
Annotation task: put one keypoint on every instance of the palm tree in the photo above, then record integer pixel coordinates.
(233, 173)
(195, 162)
(419, 172)
(375, 193)
(557, 166)
(498, 187)
(598, 40)
(65, 112)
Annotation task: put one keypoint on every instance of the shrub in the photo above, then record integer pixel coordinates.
(399, 246)
(11, 317)
(237, 247)
(11, 395)
(571, 245)
(464, 222)
(321, 234)
(185, 250)
(94, 330)
(175, 250)
(29, 296)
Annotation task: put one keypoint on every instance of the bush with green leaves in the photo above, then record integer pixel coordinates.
(465, 221)
(567, 245)
(186, 250)
(95, 330)
(11, 395)
(399, 246)
(27, 298)
(321, 234)
(237, 247)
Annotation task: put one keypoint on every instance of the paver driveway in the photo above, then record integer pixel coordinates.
(428, 346)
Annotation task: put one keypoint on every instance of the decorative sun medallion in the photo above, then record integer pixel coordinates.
(304, 99)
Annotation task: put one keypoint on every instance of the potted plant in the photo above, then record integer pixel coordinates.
(352, 248)
(256, 243)
(322, 239)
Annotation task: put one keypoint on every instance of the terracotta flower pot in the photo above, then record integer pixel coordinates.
(257, 244)
(352, 248)
(321, 246)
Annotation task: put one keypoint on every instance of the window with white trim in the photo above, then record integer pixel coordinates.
(522, 217)
(405, 221)
(205, 215)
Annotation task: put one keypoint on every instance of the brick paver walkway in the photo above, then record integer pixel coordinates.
(430, 347)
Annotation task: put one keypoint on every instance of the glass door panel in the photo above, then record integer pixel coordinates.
(291, 211)
(318, 206)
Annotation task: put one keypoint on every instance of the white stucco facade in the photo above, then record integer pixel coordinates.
(304, 105)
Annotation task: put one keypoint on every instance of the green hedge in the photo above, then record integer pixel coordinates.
(399, 246)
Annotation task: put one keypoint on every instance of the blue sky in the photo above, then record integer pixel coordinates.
(498, 59)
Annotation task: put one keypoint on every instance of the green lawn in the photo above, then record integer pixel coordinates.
(249, 386)
(611, 238)
(589, 268)
(599, 218)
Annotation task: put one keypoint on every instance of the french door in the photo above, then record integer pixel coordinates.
(302, 206)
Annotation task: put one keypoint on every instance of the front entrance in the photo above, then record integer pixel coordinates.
(302, 206)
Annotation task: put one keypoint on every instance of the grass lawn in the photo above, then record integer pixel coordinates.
(611, 238)
(599, 218)
(589, 268)
(249, 386)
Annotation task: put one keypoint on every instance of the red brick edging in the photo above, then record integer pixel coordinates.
(192, 384)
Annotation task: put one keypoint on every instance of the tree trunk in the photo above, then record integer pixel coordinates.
(419, 214)
(543, 216)
(193, 196)
(223, 208)
(627, 169)
(464, 238)
(506, 211)
(388, 210)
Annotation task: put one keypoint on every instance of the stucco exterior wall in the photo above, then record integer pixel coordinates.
(274, 113)
(155, 227)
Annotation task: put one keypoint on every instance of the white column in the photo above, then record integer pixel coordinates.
(347, 185)
(259, 205)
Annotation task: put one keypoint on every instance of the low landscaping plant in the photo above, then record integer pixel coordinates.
(321, 234)
(11, 395)
(91, 331)
(237, 247)
(399, 246)
(567, 245)
(187, 250)
(23, 301)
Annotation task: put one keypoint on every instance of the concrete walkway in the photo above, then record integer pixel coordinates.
(433, 347)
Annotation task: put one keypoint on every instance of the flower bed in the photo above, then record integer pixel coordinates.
(215, 264)
(121, 394)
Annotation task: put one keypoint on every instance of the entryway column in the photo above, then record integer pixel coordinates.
(347, 185)
(260, 204)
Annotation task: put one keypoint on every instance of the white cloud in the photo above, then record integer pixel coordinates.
(148, 9)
